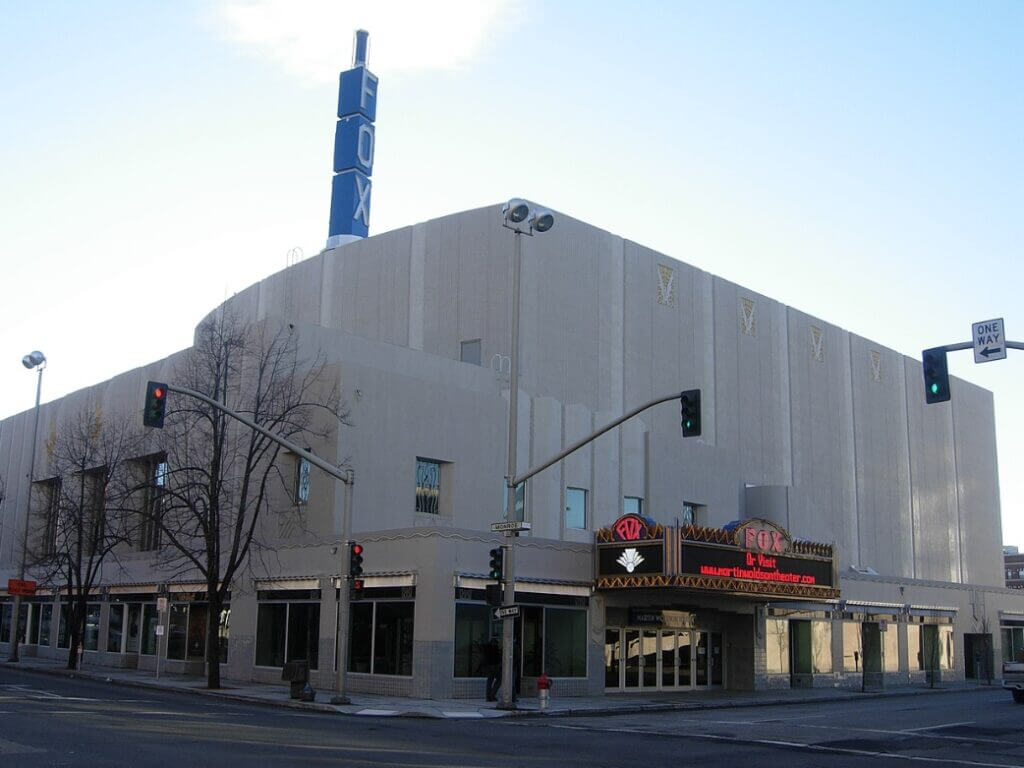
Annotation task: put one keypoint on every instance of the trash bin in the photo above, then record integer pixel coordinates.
(297, 674)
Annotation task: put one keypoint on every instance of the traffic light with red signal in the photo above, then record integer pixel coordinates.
(155, 405)
(355, 564)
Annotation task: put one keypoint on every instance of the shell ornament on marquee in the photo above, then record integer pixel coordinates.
(630, 559)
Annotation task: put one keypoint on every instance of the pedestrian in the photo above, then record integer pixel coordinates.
(492, 665)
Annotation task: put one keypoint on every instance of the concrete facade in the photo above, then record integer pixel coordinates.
(804, 424)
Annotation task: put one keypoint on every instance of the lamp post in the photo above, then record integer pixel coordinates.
(32, 360)
(523, 219)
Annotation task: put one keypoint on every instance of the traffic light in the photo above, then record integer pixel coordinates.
(497, 563)
(936, 375)
(355, 560)
(689, 411)
(156, 404)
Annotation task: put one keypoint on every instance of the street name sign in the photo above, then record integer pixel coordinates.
(510, 525)
(989, 339)
(507, 611)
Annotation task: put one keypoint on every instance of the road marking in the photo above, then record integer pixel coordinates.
(933, 727)
(915, 731)
(792, 745)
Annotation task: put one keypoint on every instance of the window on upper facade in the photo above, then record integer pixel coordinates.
(302, 480)
(94, 515)
(470, 352)
(154, 482)
(575, 508)
(428, 486)
(632, 505)
(48, 504)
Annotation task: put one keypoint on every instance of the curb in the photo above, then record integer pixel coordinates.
(427, 714)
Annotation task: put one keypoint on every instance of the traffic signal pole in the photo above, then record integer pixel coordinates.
(513, 481)
(936, 371)
(345, 476)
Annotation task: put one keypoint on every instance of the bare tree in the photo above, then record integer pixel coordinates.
(219, 473)
(82, 513)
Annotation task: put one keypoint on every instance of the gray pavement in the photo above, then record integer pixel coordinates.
(369, 705)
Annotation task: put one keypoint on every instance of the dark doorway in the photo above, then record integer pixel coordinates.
(978, 662)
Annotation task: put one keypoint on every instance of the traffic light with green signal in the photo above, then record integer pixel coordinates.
(156, 404)
(936, 375)
(689, 411)
(497, 563)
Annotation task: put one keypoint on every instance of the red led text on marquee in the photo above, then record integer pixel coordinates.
(759, 568)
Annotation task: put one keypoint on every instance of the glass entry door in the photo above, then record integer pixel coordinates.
(638, 659)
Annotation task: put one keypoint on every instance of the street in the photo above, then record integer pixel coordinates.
(50, 720)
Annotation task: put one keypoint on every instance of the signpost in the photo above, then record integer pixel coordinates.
(989, 337)
(510, 525)
(506, 612)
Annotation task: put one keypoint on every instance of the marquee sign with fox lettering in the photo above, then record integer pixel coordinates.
(756, 557)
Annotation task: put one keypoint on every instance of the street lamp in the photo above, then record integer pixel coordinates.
(35, 359)
(523, 219)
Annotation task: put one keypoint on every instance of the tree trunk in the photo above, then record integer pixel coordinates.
(213, 641)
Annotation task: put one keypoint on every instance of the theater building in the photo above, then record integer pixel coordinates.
(826, 528)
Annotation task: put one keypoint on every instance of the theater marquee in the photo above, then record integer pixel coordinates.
(756, 557)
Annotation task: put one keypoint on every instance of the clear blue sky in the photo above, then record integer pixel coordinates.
(862, 162)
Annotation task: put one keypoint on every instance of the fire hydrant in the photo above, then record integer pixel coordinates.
(544, 691)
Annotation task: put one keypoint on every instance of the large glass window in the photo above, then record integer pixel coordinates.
(115, 628)
(392, 639)
(821, 646)
(49, 491)
(1013, 642)
(428, 486)
(149, 622)
(177, 630)
(224, 630)
(472, 631)
(63, 636)
(45, 616)
(565, 642)
(946, 653)
(776, 646)
(891, 645)
(33, 630)
(154, 469)
(5, 622)
(632, 505)
(532, 636)
(800, 647)
(381, 639)
(288, 630)
(575, 508)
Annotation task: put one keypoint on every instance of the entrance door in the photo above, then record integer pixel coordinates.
(631, 661)
(708, 660)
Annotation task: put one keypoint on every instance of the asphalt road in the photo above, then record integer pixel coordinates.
(48, 720)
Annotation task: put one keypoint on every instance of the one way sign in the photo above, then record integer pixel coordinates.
(989, 340)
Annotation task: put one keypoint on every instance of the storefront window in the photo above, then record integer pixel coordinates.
(149, 622)
(853, 652)
(115, 628)
(177, 627)
(271, 627)
(915, 659)
(472, 631)
(224, 630)
(288, 630)
(392, 640)
(891, 641)
(5, 622)
(800, 647)
(821, 646)
(532, 640)
(360, 649)
(1013, 642)
(565, 642)
(197, 613)
(45, 616)
(946, 657)
(776, 646)
(63, 638)
(33, 626)
(381, 640)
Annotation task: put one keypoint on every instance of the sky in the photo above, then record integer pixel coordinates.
(860, 161)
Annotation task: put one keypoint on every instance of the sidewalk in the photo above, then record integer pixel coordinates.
(369, 705)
